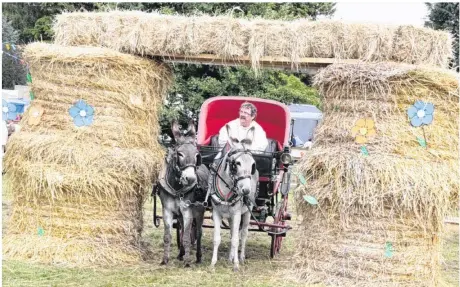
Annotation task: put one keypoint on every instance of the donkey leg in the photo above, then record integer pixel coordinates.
(217, 221)
(186, 239)
(180, 257)
(235, 239)
(244, 235)
(232, 251)
(167, 220)
(199, 233)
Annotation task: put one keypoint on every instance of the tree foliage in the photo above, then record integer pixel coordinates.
(444, 16)
(13, 73)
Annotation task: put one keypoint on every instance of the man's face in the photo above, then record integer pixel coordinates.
(245, 117)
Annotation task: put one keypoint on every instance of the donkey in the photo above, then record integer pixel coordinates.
(233, 190)
(182, 189)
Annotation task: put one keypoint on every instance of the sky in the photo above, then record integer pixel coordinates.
(405, 13)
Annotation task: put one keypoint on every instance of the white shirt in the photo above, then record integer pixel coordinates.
(259, 142)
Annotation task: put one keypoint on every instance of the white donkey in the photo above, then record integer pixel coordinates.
(233, 188)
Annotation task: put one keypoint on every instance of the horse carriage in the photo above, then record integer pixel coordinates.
(269, 209)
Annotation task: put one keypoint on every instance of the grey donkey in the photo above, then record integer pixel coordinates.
(233, 188)
(182, 189)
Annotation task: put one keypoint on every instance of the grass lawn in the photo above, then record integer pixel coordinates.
(259, 269)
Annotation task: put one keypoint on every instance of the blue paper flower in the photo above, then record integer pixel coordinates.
(8, 111)
(420, 113)
(82, 113)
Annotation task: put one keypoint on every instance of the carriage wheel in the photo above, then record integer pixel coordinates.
(278, 238)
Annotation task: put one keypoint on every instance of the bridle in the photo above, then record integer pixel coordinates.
(233, 186)
(233, 167)
(179, 169)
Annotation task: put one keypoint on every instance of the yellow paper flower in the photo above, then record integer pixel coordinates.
(363, 130)
(35, 114)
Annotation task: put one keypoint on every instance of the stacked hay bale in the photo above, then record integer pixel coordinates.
(152, 33)
(155, 34)
(78, 191)
(379, 216)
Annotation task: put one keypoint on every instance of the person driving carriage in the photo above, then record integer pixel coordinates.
(241, 126)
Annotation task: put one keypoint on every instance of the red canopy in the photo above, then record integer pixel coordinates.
(215, 112)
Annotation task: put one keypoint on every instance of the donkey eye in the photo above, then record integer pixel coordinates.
(238, 163)
(180, 154)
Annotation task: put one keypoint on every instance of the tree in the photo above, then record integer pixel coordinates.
(13, 73)
(34, 20)
(444, 16)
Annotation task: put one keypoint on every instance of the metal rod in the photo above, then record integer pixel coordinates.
(252, 222)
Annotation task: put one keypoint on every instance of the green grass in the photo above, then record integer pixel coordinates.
(259, 269)
(450, 254)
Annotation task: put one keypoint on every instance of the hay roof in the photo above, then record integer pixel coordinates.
(155, 34)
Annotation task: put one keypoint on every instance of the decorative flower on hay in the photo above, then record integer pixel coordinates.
(8, 111)
(421, 113)
(35, 114)
(82, 113)
(363, 130)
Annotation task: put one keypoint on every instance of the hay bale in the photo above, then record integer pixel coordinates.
(84, 186)
(380, 216)
(384, 92)
(415, 45)
(155, 34)
(219, 35)
(265, 40)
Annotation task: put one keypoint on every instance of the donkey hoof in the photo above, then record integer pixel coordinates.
(180, 258)
(187, 265)
(164, 262)
(198, 261)
(236, 269)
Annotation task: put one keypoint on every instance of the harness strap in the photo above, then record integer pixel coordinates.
(176, 193)
(248, 204)
(219, 201)
(217, 173)
(232, 189)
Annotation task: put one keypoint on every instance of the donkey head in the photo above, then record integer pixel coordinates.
(241, 166)
(185, 155)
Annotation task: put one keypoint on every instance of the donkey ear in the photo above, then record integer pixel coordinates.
(229, 130)
(231, 140)
(250, 134)
(191, 132)
(175, 130)
(246, 142)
